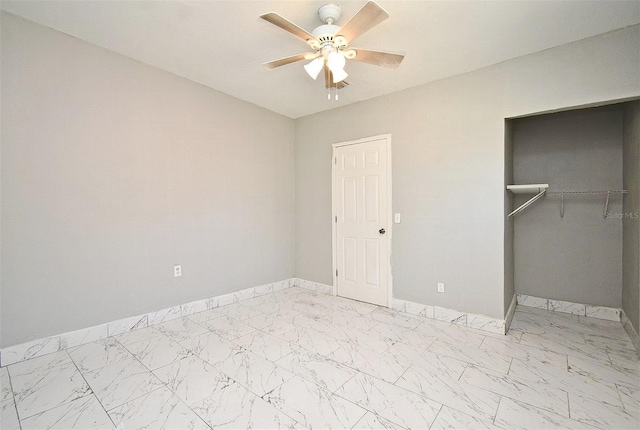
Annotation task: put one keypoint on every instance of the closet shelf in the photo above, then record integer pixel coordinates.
(527, 189)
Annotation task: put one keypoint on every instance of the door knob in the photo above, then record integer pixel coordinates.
(382, 231)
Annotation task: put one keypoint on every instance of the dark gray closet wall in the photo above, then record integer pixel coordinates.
(577, 258)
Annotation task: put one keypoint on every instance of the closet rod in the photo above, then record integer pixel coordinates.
(588, 192)
(606, 204)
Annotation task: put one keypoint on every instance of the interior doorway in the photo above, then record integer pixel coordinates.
(362, 220)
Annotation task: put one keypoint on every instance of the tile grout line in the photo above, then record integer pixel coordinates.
(13, 397)
(620, 396)
(93, 393)
(352, 402)
(569, 406)
(482, 418)
(272, 405)
(535, 407)
(401, 375)
(437, 415)
(64, 403)
(173, 393)
(146, 368)
(53, 407)
(495, 417)
(466, 366)
(518, 400)
(510, 363)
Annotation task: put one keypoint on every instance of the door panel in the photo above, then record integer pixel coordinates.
(371, 200)
(372, 262)
(349, 199)
(361, 199)
(350, 259)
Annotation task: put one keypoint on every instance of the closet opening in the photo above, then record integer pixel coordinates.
(571, 211)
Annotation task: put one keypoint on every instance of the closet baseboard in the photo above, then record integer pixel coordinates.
(509, 317)
(631, 332)
(475, 321)
(601, 312)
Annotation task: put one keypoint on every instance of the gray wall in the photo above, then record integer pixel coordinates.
(631, 239)
(577, 258)
(113, 171)
(448, 165)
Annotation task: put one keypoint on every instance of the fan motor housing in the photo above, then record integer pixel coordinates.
(325, 32)
(326, 35)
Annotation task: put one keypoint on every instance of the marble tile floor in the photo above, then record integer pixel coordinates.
(294, 359)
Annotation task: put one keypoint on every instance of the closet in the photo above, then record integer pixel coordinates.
(565, 206)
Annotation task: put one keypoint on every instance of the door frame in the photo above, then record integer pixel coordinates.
(389, 228)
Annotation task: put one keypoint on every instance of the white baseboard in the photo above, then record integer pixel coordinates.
(510, 313)
(478, 322)
(601, 312)
(16, 353)
(316, 287)
(631, 332)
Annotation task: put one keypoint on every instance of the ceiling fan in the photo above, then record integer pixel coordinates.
(331, 43)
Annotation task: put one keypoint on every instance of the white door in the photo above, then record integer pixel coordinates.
(362, 228)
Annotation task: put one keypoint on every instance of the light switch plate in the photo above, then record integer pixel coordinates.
(396, 218)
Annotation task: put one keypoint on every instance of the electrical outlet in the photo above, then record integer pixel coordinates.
(441, 287)
(177, 270)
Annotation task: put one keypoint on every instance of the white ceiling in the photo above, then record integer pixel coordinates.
(222, 44)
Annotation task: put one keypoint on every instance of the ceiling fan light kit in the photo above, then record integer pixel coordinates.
(314, 67)
(330, 43)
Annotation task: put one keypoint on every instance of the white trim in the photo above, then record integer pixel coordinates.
(475, 321)
(600, 312)
(509, 317)
(631, 332)
(315, 287)
(389, 229)
(36, 348)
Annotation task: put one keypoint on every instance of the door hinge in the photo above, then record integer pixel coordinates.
(336, 273)
(335, 160)
(336, 218)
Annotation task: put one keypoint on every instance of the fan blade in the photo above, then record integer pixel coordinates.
(287, 25)
(368, 17)
(288, 60)
(378, 58)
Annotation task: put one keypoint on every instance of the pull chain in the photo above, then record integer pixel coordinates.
(329, 92)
